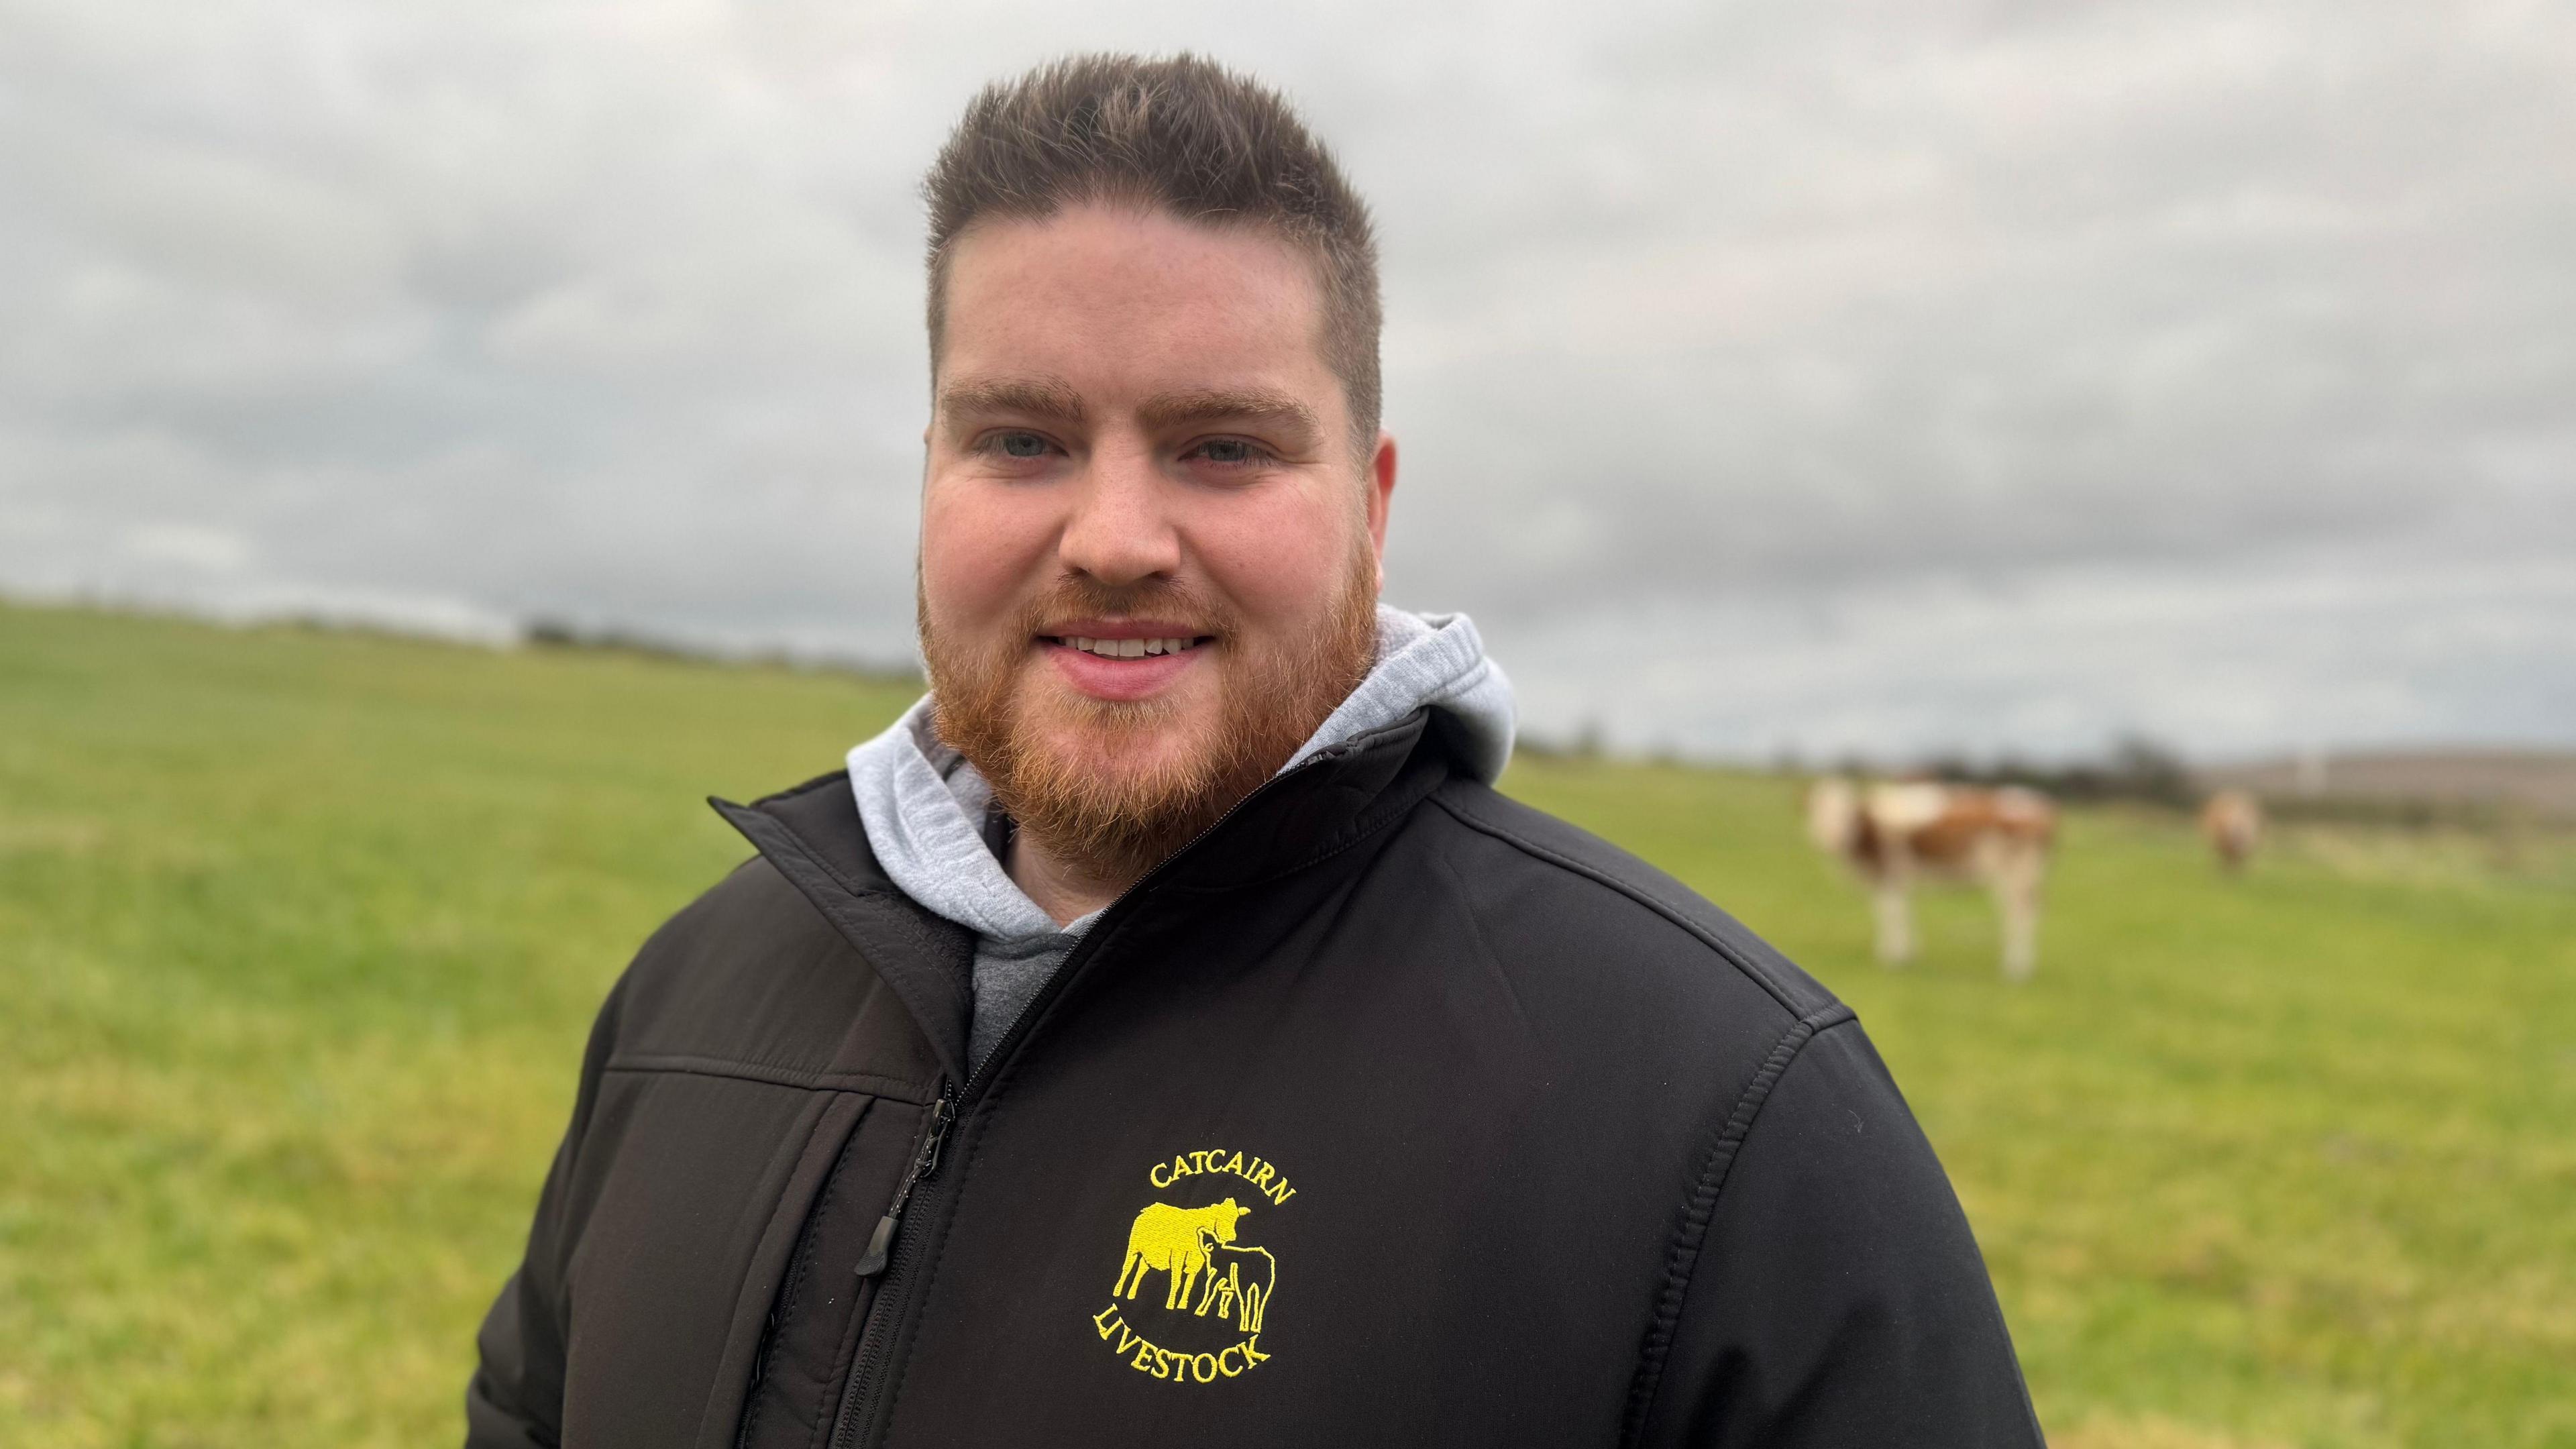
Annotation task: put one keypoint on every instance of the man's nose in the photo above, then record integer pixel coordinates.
(1121, 530)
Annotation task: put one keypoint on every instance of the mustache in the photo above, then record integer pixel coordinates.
(1077, 596)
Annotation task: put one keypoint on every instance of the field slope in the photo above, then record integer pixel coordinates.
(300, 932)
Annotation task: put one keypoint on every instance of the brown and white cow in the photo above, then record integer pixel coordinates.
(2233, 824)
(1894, 835)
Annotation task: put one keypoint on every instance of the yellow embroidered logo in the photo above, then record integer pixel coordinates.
(1192, 1295)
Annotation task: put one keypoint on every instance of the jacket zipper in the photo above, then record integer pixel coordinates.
(924, 1163)
(894, 1255)
(881, 1262)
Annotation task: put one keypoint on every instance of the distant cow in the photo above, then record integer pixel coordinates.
(1168, 1239)
(2233, 824)
(1896, 834)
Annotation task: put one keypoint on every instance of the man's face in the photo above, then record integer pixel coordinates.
(1149, 552)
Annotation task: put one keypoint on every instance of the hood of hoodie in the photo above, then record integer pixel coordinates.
(925, 808)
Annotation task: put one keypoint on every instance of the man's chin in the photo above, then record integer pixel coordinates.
(1125, 750)
(1114, 797)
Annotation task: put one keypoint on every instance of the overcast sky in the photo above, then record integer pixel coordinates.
(1810, 374)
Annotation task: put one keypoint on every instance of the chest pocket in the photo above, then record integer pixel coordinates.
(699, 1255)
(821, 1304)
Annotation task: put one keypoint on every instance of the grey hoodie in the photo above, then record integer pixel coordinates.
(926, 809)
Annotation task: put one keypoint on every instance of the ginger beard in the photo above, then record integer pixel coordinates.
(1113, 787)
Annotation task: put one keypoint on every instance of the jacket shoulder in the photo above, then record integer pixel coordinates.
(750, 980)
(1592, 888)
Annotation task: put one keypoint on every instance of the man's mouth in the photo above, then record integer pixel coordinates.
(1128, 648)
(1123, 659)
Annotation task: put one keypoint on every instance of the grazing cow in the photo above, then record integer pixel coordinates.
(1896, 834)
(1167, 1239)
(1243, 1290)
(2233, 824)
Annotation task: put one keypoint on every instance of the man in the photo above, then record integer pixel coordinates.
(1163, 1034)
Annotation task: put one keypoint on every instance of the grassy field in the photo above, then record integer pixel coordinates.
(300, 932)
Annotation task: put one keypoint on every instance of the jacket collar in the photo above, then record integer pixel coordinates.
(1333, 799)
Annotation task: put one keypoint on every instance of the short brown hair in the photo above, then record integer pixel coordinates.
(1183, 135)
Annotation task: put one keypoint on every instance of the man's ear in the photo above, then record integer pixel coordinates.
(1381, 490)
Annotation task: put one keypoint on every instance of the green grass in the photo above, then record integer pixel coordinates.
(300, 932)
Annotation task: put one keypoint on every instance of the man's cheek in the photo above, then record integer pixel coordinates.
(988, 559)
(1280, 578)
(967, 586)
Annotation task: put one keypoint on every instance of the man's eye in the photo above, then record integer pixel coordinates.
(1020, 445)
(1232, 452)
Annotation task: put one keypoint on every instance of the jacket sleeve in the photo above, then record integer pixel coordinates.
(1837, 1296)
(515, 1399)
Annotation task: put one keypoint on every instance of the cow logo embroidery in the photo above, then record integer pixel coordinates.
(1191, 1295)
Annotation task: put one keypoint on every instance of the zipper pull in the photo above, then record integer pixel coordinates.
(924, 1163)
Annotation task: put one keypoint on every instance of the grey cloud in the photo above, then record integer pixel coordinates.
(1864, 373)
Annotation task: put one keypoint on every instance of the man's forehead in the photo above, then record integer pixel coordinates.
(1229, 305)
(1110, 244)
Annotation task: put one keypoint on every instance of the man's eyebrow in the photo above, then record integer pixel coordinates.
(1038, 397)
(1222, 404)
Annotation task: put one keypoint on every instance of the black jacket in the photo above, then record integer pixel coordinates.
(1388, 1112)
